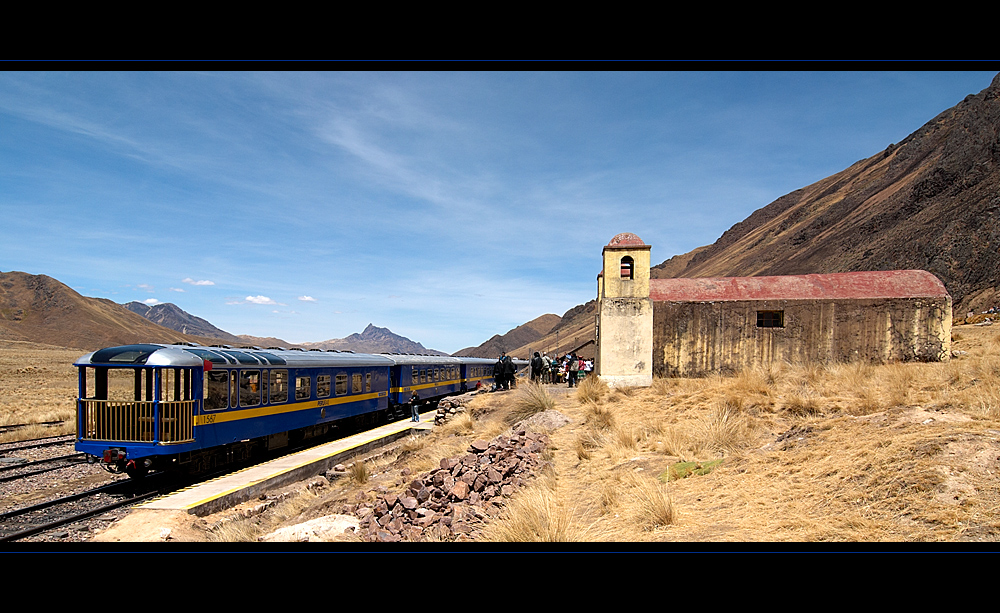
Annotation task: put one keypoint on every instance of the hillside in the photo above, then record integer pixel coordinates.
(171, 316)
(513, 341)
(374, 340)
(930, 202)
(40, 309)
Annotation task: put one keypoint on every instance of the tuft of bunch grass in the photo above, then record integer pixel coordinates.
(359, 472)
(599, 416)
(726, 429)
(532, 516)
(531, 399)
(652, 504)
(592, 389)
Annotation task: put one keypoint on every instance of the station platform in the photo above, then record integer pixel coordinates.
(229, 490)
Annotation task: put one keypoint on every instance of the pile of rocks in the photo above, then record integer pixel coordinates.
(451, 502)
(452, 406)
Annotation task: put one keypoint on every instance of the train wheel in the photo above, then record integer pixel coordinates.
(136, 471)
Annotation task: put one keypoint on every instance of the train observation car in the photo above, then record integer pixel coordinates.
(154, 406)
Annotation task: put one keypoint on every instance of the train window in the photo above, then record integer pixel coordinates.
(249, 388)
(341, 384)
(234, 388)
(356, 383)
(423, 375)
(217, 390)
(279, 386)
(175, 384)
(323, 386)
(368, 382)
(303, 387)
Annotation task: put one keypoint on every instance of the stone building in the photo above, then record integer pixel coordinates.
(689, 327)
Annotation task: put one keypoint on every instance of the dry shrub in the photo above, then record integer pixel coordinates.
(751, 381)
(599, 416)
(678, 442)
(592, 389)
(359, 472)
(623, 393)
(663, 386)
(725, 429)
(531, 399)
(534, 515)
(651, 504)
(245, 530)
(626, 437)
(462, 423)
(586, 442)
(897, 379)
(802, 404)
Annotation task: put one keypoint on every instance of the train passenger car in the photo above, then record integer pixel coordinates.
(432, 377)
(160, 406)
(156, 406)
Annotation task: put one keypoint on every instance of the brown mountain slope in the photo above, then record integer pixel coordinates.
(513, 339)
(374, 340)
(931, 202)
(40, 309)
(574, 333)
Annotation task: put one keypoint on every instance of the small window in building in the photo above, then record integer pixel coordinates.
(628, 266)
(770, 319)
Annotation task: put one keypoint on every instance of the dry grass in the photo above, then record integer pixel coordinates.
(592, 389)
(802, 453)
(530, 399)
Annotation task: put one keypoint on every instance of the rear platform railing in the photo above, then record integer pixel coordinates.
(135, 421)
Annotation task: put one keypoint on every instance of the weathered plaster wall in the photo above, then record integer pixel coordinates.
(692, 338)
(626, 341)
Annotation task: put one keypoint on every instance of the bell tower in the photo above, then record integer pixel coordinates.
(625, 314)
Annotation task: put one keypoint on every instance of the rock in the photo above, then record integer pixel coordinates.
(449, 502)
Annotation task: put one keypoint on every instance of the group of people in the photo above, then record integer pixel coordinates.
(503, 373)
(569, 370)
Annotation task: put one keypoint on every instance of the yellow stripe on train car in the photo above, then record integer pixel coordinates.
(265, 411)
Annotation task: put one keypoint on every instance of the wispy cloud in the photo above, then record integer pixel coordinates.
(151, 301)
(260, 300)
(193, 282)
(307, 299)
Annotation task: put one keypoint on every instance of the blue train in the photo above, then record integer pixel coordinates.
(194, 407)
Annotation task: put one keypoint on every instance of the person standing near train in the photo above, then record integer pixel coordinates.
(414, 410)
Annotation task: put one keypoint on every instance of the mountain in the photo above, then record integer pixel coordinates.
(550, 334)
(171, 316)
(40, 309)
(930, 202)
(373, 340)
(513, 339)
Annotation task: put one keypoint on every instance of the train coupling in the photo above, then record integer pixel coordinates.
(114, 455)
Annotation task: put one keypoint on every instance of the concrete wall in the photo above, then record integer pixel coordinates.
(693, 338)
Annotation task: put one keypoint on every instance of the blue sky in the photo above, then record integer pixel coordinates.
(445, 206)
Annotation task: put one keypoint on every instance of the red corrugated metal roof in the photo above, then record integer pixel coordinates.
(858, 285)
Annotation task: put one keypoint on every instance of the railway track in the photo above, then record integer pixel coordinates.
(24, 523)
(25, 469)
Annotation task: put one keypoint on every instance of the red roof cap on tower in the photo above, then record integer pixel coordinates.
(625, 239)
